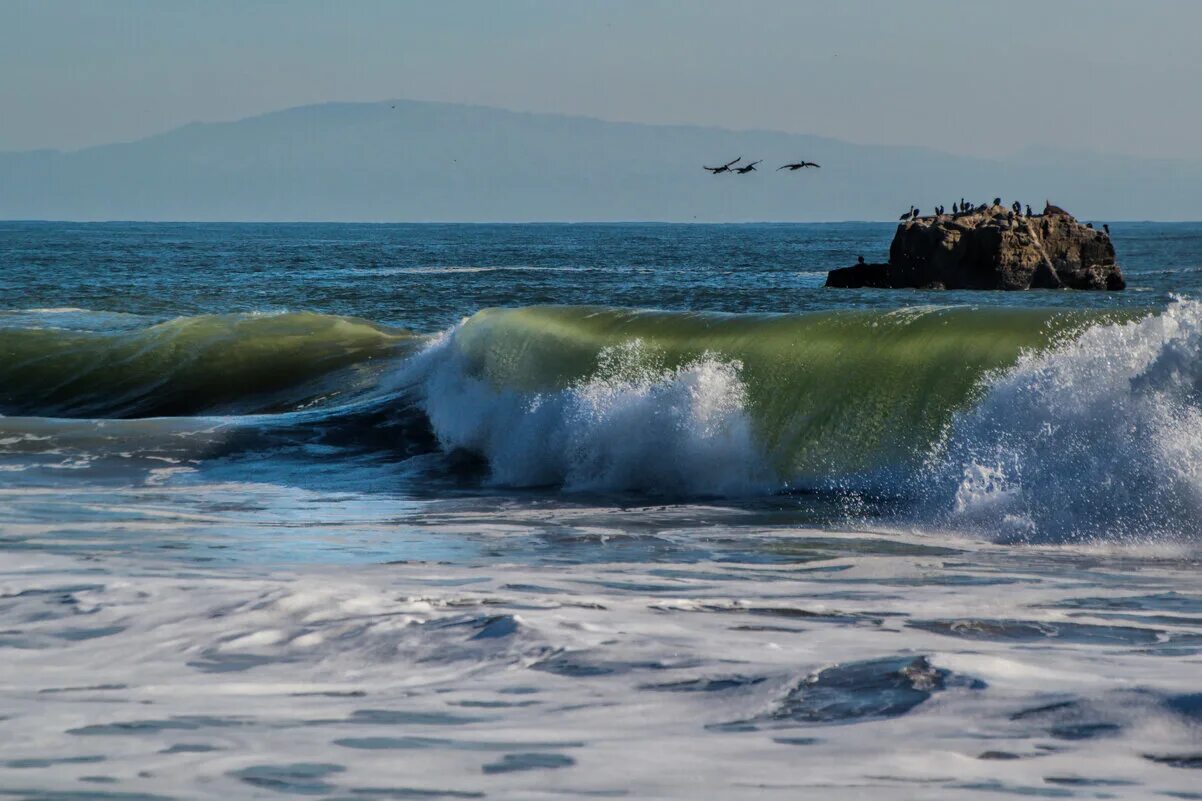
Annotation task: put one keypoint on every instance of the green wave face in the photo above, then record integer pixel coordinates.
(829, 394)
(234, 362)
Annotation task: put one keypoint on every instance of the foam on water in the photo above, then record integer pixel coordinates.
(1100, 437)
(691, 404)
(1097, 435)
(1037, 426)
(634, 424)
(285, 587)
(660, 679)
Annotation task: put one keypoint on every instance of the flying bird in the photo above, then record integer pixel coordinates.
(794, 167)
(747, 168)
(724, 168)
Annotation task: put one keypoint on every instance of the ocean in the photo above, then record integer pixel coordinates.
(559, 511)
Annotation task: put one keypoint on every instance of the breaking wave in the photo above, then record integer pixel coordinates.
(635, 424)
(1032, 425)
(1099, 437)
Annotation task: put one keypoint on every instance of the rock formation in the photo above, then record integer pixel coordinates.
(991, 249)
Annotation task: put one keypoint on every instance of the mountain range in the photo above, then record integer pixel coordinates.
(420, 161)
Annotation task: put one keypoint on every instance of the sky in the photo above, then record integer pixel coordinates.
(974, 78)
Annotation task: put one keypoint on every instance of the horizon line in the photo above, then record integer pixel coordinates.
(38, 221)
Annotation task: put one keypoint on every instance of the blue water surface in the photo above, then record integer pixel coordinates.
(428, 276)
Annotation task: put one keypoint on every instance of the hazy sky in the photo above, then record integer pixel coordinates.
(967, 76)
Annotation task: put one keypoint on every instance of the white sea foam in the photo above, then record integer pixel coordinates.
(634, 424)
(212, 682)
(1098, 438)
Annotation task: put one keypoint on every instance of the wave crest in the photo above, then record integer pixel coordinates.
(1100, 437)
(633, 425)
(64, 363)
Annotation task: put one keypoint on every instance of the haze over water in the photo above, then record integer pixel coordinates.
(514, 511)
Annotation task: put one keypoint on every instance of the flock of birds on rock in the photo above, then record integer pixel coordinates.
(750, 167)
(964, 207)
(1016, 211)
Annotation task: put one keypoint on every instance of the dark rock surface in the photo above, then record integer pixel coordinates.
(991, 249)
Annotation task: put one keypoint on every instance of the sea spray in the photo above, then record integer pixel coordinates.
(1099, 437)
(1034, 424)
(837, 401)
(634, 424)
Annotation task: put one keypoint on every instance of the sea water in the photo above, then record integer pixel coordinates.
(562, 511)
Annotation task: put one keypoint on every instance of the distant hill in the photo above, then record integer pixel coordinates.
(419, 161)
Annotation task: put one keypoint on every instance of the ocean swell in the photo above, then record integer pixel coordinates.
(605, 399)
(1021, 427)
(70, 363)
(1032, 425)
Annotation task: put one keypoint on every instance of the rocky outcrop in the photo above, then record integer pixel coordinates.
(992, 248)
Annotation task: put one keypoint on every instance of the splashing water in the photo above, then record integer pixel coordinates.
(633, 425)
(1100, 437)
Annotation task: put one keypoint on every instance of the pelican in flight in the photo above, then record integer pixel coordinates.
(724, 168)
(746, 169)
(794, 167)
